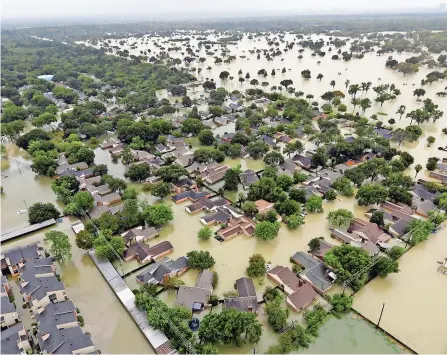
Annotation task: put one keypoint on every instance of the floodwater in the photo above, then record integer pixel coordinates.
(415, 298)
(112, 328)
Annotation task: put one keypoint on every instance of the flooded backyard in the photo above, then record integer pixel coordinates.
(415, 298)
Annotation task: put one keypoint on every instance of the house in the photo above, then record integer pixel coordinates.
(15, 340)
(220, 121)
(367, 157)
(235, 107)
(191, 195)
(264, 206)
(424, 207)
(438, 176)
(355, 240)
(39, 286)
(315, 271)
(85, 181)
(80, 174)
(163, 270)
(185, 159)
(369, 231)
(385, 133)
(64, 168)
(220, 216)
(107, 200)
(182, 185)
(8, 313)
(213, 175)
(139, 234)
(247, 178)
(227, 137)
(285, 278)
(193, 298)
(303, 161)
(322, 249)
(109, 143)
(140, 155)
(207, 204)
(299, 293)
(77, 227)
(247, 300)
(12, 260)
(144, 254)
(170, 139)
(329, 175)
(240, 225)
(288, 167)
(200, 168)
(117, 150)
(302, 297)
(271, 142)
(59, 332)
(162, 149)
(99, 190)
(4, 287)
(205, 280)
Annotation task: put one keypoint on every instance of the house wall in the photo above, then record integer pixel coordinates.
(67, 325)
(140, 238)
(276, 279)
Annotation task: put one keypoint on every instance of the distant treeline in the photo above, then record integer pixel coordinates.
(348, 25)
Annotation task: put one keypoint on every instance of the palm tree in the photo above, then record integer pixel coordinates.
(347, 83)
(332, 83)
(401, 111)
(418, 168)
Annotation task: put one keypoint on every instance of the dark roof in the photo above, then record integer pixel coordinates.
(10, 337)
(421, 191)
(188, 296)
(248, 177)
(302, 160)
(7, 307)
(242, 304)
(220, 216)
(245, 287)
(304, 295)
(205, 280)
(190, 194)
(287, 277)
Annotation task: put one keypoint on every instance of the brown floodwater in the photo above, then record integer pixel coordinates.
(112, 328)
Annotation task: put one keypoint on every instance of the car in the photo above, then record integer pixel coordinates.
(220, 239)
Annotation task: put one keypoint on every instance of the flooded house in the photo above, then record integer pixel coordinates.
(240, 225)
(196, 298)
(183, 185)
(214, 175)
(248, 178)
(139, 234)
(300, 294)
(247, 300)
(163, 270)
(8, 313)
(207, 204)
(191, 195)
(14, 259)
(15, 340)
(145, 254)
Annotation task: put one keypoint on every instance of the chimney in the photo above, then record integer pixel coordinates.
(45, 336)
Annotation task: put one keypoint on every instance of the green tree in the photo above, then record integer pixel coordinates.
(81, 203)
(230, 327)
(249, 208)
(273, 158)
(129, 193)
(256, 266)
(377, 218)
(417, 168)
(205, 233)
(84, 240)
(432, 163)
(231, 179)
(314, 204)
(257, 149)
(171, 173)
(330, 195)
(138, 172)
(159, 214)
(314, 244)
(266, 230)
(384, 266)
(277, 314)
(419, 230)
(60, 245)
(206, 137)
(371, 194)
(294, 221)
(100, 169)
(200, 260)
(40, 212)
(396, 252)
(161, 189)
(340, 217)
(109, 249)
(342, 303)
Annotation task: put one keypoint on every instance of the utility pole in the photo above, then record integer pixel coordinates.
(381, 312)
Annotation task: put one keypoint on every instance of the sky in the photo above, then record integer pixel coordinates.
(190, 9)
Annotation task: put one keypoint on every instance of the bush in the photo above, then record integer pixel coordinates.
(215, 279)
(341, 303)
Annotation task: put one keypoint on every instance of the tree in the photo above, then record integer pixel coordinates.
(266, 230)
(347, 260)
(419, 230)
(257, 149)
(256, 266)
(371, 194)
(407, 68)
(100, 169)
(277, 314)
(287, 207)
(193, 125)
(205, 233)
(60, 245)
(186, 101)
(396, 252)
(138, 172)
(208, 155)
(401, 110)
(161, 189)
(230, 327)
(80, 204)
(384, 266)
(432, 163)
(365, 104)
(314, 204)
(109, 248)
(314, 244)
(413, 133)
(159, 214)
(377, 218)
(41, 212)
(273, 158)
(231, 179)
(330, 195)
(249, 208)
(84, 240)
(171, 173)
(127, 156)
(342, 303)
(430, 140)
(419, 92)
(417, 168)
(224, 75)
(206, 137)
(286, 82)
(344, 186)
(320, 158)
(320, 76)
(294, 221)
(200, 260)
(340, 217)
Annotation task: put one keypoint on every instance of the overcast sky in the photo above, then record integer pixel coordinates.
(156, 9)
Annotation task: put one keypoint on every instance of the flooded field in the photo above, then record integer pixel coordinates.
(415, 298)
